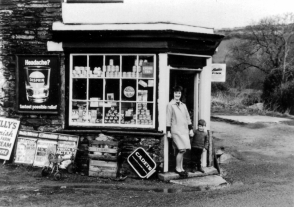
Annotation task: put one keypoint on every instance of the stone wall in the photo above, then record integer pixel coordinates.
(25, 28)
(127, 144)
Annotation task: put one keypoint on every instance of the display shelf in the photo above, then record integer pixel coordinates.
(102, 89)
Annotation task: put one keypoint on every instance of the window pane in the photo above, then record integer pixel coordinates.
(96, 66)
(111, 113)
(79, 89)
(95, 111)
(145, 89)
(128, 92)
(96, 89)
(78, 113)
(80, 61)
(112, 89)
(129, 67)
(79, 67)
(145, 113)
(147, 65)
(128, 113)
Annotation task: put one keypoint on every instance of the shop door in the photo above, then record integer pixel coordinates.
(189, 81)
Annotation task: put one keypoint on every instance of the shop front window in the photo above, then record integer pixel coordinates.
(112, 90)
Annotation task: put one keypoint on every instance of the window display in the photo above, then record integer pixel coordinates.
(112, 90)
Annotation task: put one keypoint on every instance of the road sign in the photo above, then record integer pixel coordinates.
(142, 163)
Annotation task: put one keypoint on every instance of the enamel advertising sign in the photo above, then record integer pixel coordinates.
(218, 73)
(8, 132)
(142, 163)
(37, 84)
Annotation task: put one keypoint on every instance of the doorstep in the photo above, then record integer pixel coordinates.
(172, 175)
(203, 183)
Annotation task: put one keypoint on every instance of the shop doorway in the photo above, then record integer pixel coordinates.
(188, 79)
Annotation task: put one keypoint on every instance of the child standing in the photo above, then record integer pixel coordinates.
(198, 142)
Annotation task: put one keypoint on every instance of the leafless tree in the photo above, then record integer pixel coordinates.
(265, 46)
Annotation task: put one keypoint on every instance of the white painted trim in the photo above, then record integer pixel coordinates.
(205, 93)
(163, 99)
(54, 46)
(205, 100)
(126, 13)
(196, 101)
(156, 26)
(187, 69)
(185, 54)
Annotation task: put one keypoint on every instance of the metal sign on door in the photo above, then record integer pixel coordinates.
(142, 163)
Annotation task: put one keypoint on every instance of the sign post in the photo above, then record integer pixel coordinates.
(142, 163)
(8, 132)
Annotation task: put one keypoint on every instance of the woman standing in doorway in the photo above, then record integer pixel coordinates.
(179, 127)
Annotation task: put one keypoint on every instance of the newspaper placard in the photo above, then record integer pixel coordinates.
(66, 149)
(25, 151)
(42, 152)
(8, 132)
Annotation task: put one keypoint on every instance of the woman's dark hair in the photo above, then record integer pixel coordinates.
(177, 89)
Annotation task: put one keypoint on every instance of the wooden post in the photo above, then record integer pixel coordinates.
(210, 153)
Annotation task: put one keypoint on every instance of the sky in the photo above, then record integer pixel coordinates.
(215, 14)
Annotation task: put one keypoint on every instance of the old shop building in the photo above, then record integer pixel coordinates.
(115, 73)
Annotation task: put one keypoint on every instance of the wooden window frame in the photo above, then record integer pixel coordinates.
(71, 123)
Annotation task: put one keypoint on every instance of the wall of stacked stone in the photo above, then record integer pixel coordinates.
(25, 28)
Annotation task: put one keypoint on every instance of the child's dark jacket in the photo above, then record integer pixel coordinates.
(199, 140)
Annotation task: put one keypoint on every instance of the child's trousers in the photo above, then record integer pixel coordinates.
(196, 156)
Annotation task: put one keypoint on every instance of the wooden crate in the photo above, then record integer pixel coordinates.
(97, 150)
(103, 156)
(101, 168)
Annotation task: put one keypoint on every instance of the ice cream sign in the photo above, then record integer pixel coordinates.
(8, 132)
(218, 73)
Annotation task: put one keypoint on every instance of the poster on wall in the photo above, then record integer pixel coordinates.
(37, 84)
(33, 147)
(44, 148)
(25, 150)
(8, 132)
(218, 73)
(66, 149)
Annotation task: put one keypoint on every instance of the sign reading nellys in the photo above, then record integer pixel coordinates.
(8, 132)
(37, 84)
(142, 163)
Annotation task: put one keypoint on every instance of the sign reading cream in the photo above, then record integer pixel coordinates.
(8, 132)
(142, 163)
(218, 73)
